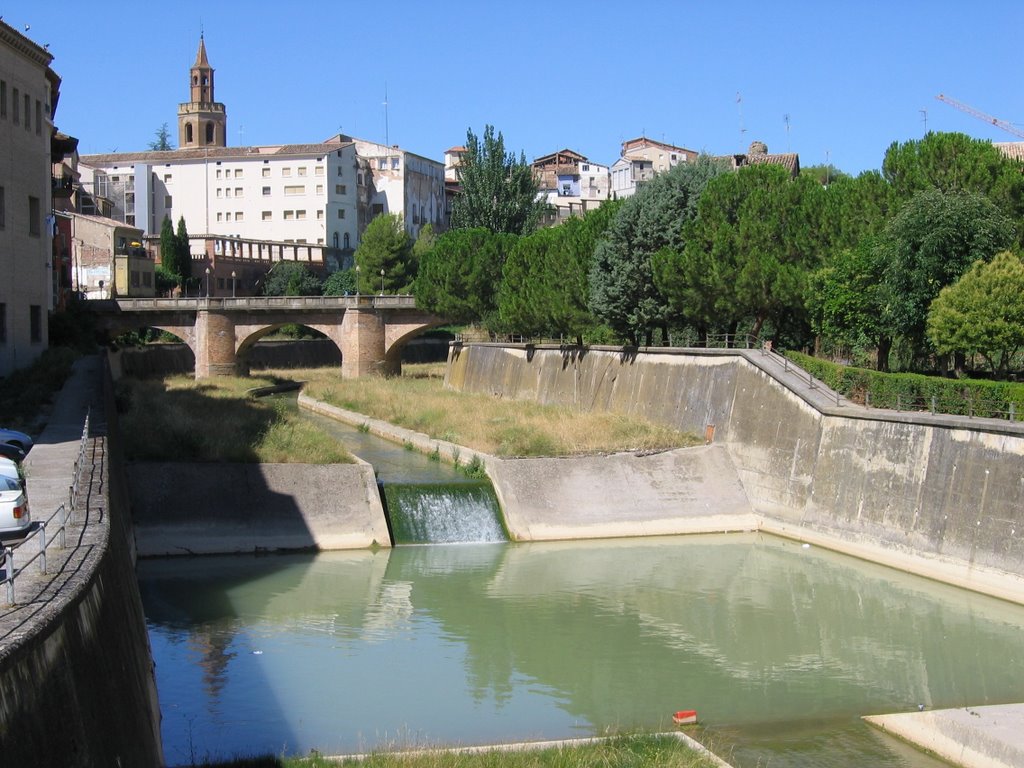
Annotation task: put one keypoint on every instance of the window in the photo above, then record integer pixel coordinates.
(382, 164)
(238, 192)
(135, 280)
(218, 173)
(267, 216)
(147, 279)
(320, 214)
(239, 215)
(220, 282)
(220, 216)
(341, 171)
(227, 216)
(319, 189)
(28, 106)
(34, 222)
(394, 163)
(167, 201)
(302, 170)
(266, 172)
(339, 189)
(360, 177)
(289, 215)
(341, 213)
(218, 191)
(227, 191)
(168, 178)
(238, 173)
(300, 214)
(35, 322)
(39, 117)
(266, 191)
(346, 240)
(319, 241)
(16, 116)
(188, 133)
(3, 323)
(286, 171)
(319, 170)
(3, 99)
(295, 189)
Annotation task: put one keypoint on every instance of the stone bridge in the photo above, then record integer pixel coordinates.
(369, 330)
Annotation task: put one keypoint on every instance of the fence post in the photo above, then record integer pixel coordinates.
(1013, 415)
(9, 571)
(42, 548)
(867, 399)
(933, 405)
(899, 403)
(63, 525)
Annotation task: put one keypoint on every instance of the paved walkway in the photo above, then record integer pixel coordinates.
(49, 470)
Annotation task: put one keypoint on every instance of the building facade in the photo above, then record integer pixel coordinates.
(641, 160)
(108, 258)
(29, 91)
(570, 183)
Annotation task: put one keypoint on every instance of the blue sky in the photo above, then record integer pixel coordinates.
(852, 77)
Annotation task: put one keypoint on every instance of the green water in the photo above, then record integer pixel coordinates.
(781, 649)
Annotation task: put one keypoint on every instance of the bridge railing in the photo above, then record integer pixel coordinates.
(257, 303)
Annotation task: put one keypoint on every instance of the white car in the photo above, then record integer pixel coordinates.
(9, 468)
(16, 438)
(14, 514)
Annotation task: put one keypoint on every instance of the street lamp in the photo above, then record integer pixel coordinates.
(232, 283)
(357, 279)
(382, 282)
(207, 282)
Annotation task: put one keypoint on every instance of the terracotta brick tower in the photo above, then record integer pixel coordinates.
(202, 122)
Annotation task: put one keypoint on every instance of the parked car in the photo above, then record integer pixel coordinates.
(16, 438)
(12, 452)
(14, 514)
(9, 468)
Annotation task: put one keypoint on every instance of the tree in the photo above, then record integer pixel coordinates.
(846, 301)
(385, 247)
(983, 312)
(182, 251)
(825, 174)
(340, 283)
(931, 242)
(748, 254)
(291, 278)
(460, 276)
(623, 293)
(855, 208)
(161, 140)
(169, 250)
(545, 281)
(954, 162)
(499, 192)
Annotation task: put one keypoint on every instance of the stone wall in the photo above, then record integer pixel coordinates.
(76, 682)
(941, 496)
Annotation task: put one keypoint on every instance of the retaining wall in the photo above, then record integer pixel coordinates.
(940, 496)
(76, 682)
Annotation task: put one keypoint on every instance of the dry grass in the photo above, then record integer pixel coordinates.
(417, 400)
(180, 419)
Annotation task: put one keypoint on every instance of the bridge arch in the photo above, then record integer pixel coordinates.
(246, 337)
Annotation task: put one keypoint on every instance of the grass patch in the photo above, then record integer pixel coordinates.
(636, 751)
(177, 418)
(418, 400)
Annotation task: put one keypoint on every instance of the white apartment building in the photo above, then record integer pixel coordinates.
(28, 93)
(302, 193)
(392, 180)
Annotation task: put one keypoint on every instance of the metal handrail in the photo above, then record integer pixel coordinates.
(65, 514)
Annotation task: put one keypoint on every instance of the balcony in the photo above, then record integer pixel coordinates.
(63, 186)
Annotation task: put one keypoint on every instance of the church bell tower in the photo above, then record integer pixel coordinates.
(202, 122)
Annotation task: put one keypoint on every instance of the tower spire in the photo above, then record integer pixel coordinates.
(202, 121)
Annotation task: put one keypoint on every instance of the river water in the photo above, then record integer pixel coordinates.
(780, 647)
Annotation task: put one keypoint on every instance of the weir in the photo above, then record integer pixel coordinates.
(422, 513)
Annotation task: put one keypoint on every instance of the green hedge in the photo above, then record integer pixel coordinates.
(916, 392)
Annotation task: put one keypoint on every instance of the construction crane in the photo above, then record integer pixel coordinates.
(1008, 127)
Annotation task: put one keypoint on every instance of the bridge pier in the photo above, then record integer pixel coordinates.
(363, 345)
(215, 346)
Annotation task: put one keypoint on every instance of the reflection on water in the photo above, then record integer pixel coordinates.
(779, 648)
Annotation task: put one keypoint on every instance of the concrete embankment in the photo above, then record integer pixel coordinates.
(690, 490)
(972, 737)
(186, 509)
(76, 682)
(941, 496)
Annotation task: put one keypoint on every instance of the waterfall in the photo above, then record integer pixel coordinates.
(423, 513)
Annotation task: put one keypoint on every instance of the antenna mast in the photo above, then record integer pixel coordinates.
(387, 137)
(739, 109)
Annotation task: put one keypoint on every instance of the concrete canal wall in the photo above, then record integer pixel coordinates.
(940, 496)
(76, 682)
(191, 509)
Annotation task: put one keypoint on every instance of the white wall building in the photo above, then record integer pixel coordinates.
(293, 193)
(641, 160)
